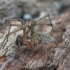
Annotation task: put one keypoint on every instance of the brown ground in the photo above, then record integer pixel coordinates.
(51, 62)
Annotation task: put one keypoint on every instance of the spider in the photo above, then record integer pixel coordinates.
(30, 37)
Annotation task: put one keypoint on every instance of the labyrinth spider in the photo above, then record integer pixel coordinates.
(30, 37)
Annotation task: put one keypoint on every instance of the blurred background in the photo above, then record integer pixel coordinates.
(25, 9)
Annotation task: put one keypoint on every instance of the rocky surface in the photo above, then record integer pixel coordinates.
(57, 54)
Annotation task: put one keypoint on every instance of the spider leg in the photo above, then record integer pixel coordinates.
(6, 37)
(43, 18)
(25, 34)
(50, 22)
(33, 33)
(56, 27)
(15, 31)
(40, 19)
(41, 43)
(26, 31)
(32, 38)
